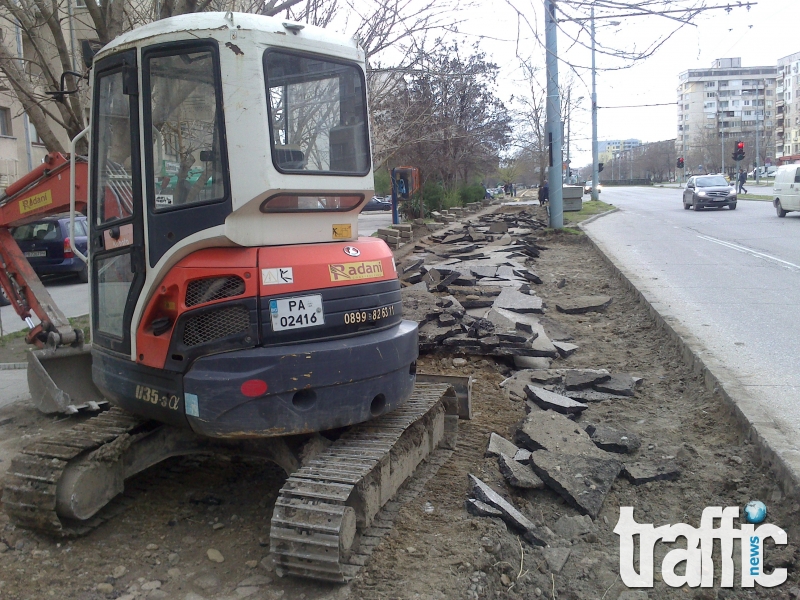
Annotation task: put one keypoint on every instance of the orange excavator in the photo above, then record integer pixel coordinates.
(233, 305)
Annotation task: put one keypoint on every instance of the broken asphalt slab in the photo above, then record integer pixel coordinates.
(499, 445)
(583, 481)
(518, 475)
(549, 430)
(512, 517)
(552, 401)
(613, 440)
(583, 304)
(647, 471)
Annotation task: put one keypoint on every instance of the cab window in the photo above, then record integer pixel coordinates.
(318, 115)
(185, 128)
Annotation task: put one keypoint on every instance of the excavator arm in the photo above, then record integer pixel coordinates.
(42, 192)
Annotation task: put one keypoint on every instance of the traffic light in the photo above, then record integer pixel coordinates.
(738, 153)
(680, 163)
(599, 167)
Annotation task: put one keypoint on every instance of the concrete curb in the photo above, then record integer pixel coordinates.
(595, 217)
(776, 451)
(12, 366)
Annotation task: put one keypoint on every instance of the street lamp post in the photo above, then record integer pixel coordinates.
(595, 166)
(556, 158)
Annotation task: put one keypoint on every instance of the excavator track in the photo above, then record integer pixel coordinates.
(327, 518)
(29, 495)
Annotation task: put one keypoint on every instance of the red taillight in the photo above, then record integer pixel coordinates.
(253, 388)
(68, 249)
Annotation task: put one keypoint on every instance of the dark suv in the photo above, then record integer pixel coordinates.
(703, 191)
(46, 245)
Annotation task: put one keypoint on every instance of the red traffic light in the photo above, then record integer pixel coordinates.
(740, 145)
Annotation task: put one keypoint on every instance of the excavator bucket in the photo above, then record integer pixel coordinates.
(60, 381)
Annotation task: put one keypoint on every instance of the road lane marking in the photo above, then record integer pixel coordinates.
(749, 251)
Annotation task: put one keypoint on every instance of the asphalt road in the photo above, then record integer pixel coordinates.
(73, 297)
(731, 277)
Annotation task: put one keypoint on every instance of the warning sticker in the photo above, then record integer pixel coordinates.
(356, 270)
(277, 276)
(342, 232)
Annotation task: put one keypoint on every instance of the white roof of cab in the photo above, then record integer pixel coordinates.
(215, 23)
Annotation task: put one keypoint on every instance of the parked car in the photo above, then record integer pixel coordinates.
(763, 172)
(46, 245)
(786, 189)
(377, 203)
(705, 191)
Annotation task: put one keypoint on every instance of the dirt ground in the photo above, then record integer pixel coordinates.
(184, 507)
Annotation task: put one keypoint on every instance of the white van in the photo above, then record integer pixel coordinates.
(786, 189)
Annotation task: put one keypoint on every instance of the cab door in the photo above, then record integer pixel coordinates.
(116, 232)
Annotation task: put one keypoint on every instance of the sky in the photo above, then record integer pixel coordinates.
(759, 36)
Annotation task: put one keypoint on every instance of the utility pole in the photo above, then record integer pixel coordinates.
(595, 167)
(569, 115)
(555, 170)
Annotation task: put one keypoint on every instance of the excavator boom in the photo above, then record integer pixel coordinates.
(42, 192)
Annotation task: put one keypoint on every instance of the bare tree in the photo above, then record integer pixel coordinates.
(48, 53)
(445, 118)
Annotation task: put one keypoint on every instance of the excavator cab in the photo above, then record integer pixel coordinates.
(231, 294)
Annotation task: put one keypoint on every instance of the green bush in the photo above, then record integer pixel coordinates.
(433, 194)
(471, 193)
(383, 182)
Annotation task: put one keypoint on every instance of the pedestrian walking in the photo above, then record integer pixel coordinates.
(742, 181)
(544, 193)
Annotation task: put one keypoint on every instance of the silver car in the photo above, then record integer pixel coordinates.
(704, 191)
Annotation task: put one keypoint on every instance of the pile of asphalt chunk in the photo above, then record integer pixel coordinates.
(472, 289)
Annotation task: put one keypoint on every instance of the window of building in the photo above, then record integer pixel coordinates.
(747, 113)
(35, 139)
(710, 95)
(686, 107)
(80, 3)
(723, 104)
(5, 122)
(735, 103)
(710, 84)
(723, 84)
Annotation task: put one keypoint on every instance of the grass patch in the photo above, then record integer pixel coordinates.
(590, 208)
(760, 197)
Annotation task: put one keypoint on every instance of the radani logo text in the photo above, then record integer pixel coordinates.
(356, 270)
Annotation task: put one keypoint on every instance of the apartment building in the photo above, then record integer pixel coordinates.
(722, 105)
(606, 149)
(787, 103)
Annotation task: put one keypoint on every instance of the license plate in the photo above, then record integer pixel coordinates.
(36, 253)
(297, 312)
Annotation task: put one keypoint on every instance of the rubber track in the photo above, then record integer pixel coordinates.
(29, 495)
(308, 514)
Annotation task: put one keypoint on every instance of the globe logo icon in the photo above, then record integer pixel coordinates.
(755, 511)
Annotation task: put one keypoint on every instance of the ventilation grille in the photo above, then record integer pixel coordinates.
(201, 291)
(216, 324)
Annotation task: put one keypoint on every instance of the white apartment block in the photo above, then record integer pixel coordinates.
(722, 105)
(787, 102)
(606, 149)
